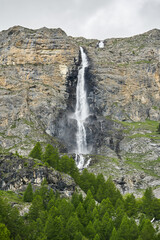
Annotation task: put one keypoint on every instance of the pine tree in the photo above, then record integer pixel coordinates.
(147, 232)
(148, 202)
(4, 232)
(114, 235)
(36, 151)
(106, 206)
(106, 226)
(73, 226)
(51, 156)
(128, 229)
(90, 231)
(88, 199)
(158, 128)
(54, 228)
(130, 205)
(96, 237)
(18, 237)
(124, 229)
(65, 208)
(82, 214)
(75, 199)
(133, 229)
(78, 236)
(111, 191)
(28, 194)
(119, 216)
(90, 209)
(97, 225)
(36, 208)
(156, 208)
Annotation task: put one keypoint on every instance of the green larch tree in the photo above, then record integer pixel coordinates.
(36, 151)
(28, 194)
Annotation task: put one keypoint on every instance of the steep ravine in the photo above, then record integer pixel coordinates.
(38, 77)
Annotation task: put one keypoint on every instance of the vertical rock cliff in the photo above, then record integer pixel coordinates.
(38, 78)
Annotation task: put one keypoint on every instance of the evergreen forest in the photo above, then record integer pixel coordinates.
(98, 212)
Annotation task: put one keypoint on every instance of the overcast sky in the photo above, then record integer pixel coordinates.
(99, 19)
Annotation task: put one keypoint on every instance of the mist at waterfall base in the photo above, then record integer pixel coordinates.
(81, 114)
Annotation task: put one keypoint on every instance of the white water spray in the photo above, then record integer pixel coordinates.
(101, 44)
(81, 112)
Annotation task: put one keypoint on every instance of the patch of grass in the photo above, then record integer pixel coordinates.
(146, 135)
(139, 163)
(141, 46)
(123, 64)
(155, 107)
(13, 126)
(115, 160)
(30, 123)
(147, 125)
(142, 61)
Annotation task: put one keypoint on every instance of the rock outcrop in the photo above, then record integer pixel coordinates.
(16, 173)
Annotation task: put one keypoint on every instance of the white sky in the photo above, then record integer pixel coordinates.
(99, 19)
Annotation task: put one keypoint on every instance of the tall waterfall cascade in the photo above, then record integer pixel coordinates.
(81, 113)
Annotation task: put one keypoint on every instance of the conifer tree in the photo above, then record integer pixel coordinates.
(158, 128)
(156, 208)
(114, 235)
(128, 229)
(51, 156)
(90, 209)
(36, 207)
(105, 206)
(75, 199)
(124, 229)
(28, 194)
(119, 216)
(73, 226)
(96, 237)
(65, 208)
(148, 202)
(54, 228)
(130, 205)
(90, 231)
(82, 214)
(36, 151)
(4, 232)
(147, 232)
(78, 236)
(106, 226)
(112, 192)
(88, 199)
(97, 225)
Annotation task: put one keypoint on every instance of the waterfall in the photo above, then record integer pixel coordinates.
(101, 44)
(81, 112)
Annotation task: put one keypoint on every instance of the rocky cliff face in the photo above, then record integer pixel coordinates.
(38, 76)
(126, 76)
(35, 70)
